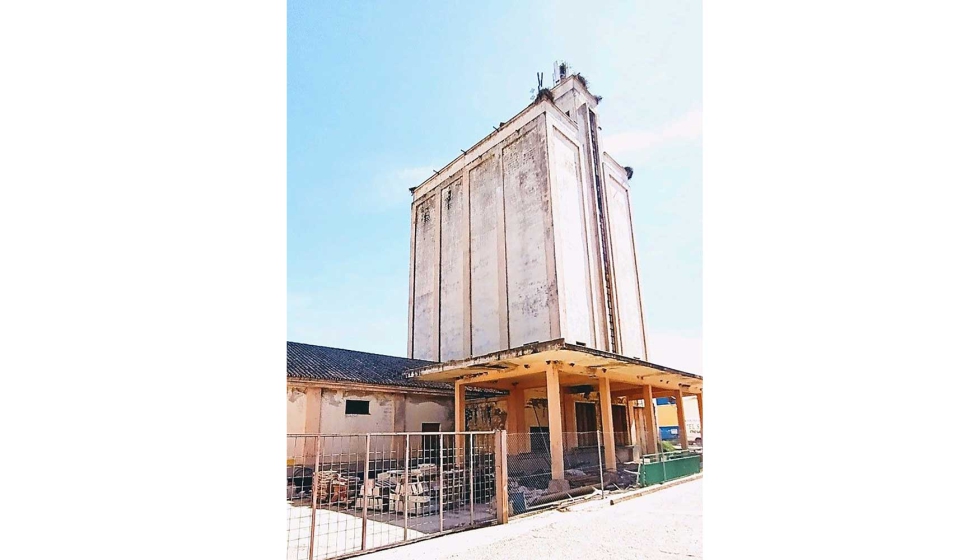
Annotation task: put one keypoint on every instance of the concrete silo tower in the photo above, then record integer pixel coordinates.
(527, 237)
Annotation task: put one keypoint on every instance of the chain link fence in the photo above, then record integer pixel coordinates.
(585, 467)
(346, 494)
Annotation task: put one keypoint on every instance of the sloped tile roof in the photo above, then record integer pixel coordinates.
(306, 361)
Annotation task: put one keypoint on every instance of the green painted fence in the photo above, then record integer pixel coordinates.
(671, 467)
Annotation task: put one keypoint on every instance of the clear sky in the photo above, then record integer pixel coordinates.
(380, 94)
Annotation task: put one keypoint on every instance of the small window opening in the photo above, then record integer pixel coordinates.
(357, 407)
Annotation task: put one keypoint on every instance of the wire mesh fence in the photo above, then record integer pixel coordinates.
(347, 494)
(535, 481)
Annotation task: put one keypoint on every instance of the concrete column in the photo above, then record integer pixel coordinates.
(631, 421)
(700, 414)
(459, 402)
(515, 422)
(608, 439)
(554, 423)
(648, 403)
(568, 415)
(681, 421)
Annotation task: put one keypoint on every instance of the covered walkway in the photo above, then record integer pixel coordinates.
(565, 370)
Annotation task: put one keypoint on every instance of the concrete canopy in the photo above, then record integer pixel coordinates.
(525, 367)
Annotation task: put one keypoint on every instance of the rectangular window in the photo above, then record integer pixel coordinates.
(356, 407)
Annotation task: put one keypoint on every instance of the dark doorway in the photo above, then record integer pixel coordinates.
(585, 424)
(620, 425)
(430, 444)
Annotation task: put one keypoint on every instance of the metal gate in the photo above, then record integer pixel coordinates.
(348, 494)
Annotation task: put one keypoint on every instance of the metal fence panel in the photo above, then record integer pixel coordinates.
(347, 494)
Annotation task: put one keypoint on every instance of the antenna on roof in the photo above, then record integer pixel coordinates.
(534, 93)
(561, 70)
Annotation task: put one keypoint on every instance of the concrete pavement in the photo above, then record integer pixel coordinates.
(665, 524)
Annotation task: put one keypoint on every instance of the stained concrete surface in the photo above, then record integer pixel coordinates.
(665, 524)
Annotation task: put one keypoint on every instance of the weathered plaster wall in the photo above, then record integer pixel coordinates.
(486, 414)
(426, 275)
(488, 277)
(334, 420)
(453, 331)
(532, 291)
(295, 420)
(295, 410)
(570, 232)
(421, 409)
(632, 342)
(506, 242)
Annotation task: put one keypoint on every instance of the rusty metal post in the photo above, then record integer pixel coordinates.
(442, 484)
(602, 478)
(364, 496)
(500, 471)
(316, 487)
(407, 444)
(472, 490)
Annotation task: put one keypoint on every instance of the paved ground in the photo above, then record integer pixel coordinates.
(665, 524)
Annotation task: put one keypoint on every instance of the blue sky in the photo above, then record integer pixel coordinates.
(382, 93)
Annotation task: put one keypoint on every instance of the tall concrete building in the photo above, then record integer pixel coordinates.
(527, 237)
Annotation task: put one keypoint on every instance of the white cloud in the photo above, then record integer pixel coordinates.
(685, 128)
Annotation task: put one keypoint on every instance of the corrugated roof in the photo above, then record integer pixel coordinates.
(307, 361)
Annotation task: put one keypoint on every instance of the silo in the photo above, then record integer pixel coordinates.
(527, 237)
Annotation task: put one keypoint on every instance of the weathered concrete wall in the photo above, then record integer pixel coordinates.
(632, 340)
(532, 290)
(487, 414)
(295, 410)
(333, 419)
(453, 300)
(295, 421)
(570, 233)
(427, 409)
(486, 256)
(426, 276)
(389, 412)
(506, 242)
